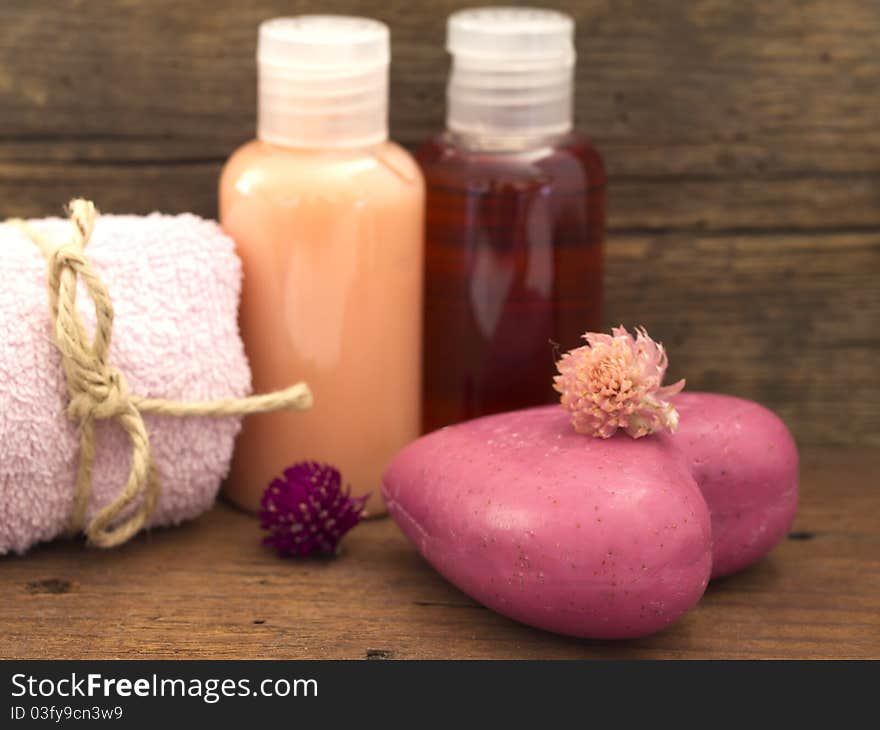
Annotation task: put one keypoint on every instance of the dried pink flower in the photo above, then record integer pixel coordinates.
(307, 511)
(615, 381)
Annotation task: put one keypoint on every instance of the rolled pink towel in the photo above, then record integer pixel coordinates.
(174, 282)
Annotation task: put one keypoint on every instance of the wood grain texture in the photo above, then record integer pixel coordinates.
(742, 141)
(790, 321)
(740, 98)
(208, 590)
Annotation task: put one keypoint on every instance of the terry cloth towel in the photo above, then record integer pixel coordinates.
(174, 282)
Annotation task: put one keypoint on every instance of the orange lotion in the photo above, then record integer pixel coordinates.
(327, 216)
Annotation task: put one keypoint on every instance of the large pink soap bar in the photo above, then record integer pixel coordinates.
(746, 463)
(582, 536)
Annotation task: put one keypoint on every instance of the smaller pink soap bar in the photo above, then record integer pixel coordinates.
(581, 536)
(746, 463)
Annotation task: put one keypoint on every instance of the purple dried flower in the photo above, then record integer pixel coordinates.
(308, 511)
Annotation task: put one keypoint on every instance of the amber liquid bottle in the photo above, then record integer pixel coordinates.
(515, 219)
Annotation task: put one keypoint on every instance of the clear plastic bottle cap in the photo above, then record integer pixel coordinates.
(512, 72)
(323, 81)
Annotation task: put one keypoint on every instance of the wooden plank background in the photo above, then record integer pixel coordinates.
(742, 141)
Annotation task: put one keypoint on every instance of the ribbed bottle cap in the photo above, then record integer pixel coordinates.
(323, 81)
(512, 72)
(512, 34)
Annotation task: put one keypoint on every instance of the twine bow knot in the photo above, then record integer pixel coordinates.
(97, 390)
(106, 396)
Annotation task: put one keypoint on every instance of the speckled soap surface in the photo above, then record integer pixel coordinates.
(582, 536)
(602, 538)
(746, 463)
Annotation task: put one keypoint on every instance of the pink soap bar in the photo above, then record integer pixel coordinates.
(581, 536)
(746, 463)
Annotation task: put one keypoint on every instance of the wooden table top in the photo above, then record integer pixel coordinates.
(208, 590)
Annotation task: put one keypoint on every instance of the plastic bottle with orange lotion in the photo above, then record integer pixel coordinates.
(327, 216)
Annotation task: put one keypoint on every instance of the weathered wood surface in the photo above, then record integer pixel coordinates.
(208, 590)
(789, 320)
(680, 96)
(742, 141)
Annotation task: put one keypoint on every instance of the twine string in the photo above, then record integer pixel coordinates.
(98, 391)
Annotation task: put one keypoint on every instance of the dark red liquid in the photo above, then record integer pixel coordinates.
(513, 272)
